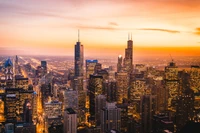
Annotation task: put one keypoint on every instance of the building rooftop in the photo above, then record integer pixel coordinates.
(70, 111)
(8, 63)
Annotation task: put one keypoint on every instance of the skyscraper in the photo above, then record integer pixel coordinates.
(122, 80)
(128, 60)
(44, 67)
(148, 109)
(71, 99)
(16, 66)
(95, 88)
(110, 118)
(70, 121)
(90, 67)
(119, 63)
(9, 73)
(100, 103)
(171, 86)
(78, 64)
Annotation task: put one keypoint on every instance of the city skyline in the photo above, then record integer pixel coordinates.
(50, 27)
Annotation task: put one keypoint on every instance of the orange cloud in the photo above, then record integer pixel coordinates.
(197, 32)
(113, 23)
(162, 30)
(96, 27)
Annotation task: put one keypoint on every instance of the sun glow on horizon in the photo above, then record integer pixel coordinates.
(157, 27)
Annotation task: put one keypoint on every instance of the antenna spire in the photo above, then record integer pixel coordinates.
(171, 58)
(78, 36)
(131, 35)
(128, 35)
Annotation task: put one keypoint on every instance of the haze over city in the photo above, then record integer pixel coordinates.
(49, 27)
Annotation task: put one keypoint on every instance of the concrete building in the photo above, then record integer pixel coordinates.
(70, 121)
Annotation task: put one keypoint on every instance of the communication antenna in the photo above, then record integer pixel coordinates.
(78, 35)
(171, 58)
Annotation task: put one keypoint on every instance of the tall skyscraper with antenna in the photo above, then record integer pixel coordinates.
(128, 60)
(78, 64)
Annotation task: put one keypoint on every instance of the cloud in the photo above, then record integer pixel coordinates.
(162, 30)
(6, 9)
(197, 32)
(96, 27)
(113, 23)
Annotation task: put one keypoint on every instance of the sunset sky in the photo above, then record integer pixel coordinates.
(158, 27)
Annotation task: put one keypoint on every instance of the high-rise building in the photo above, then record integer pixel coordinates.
(110, 118)
(90, 67)
(2, 106)
(27, 111)
(11, 107)
(25, 127)
(128, 60)
(137, 86)
(185, 109)
(95, 88)
(78, 83)
(70, 121)
(122, 80)
(9, 128)
(24, 96)
(21, 82)
(78, 63)
(43, 67)
(53, 109)
(119, 63)
(124, 116)
(44, 64)
(162, 123)
(12, 104)
(98, 67)
(16, 66)
(171, 86)
(100, 103)
(71, 99)
(148, 109)
(9, 73)
(110, 90)
(34, 107)
(195, 84)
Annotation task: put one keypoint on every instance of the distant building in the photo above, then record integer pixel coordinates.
(70, 121)
(44, 67)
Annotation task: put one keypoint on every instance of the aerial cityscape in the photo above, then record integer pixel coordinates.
(90, 66)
